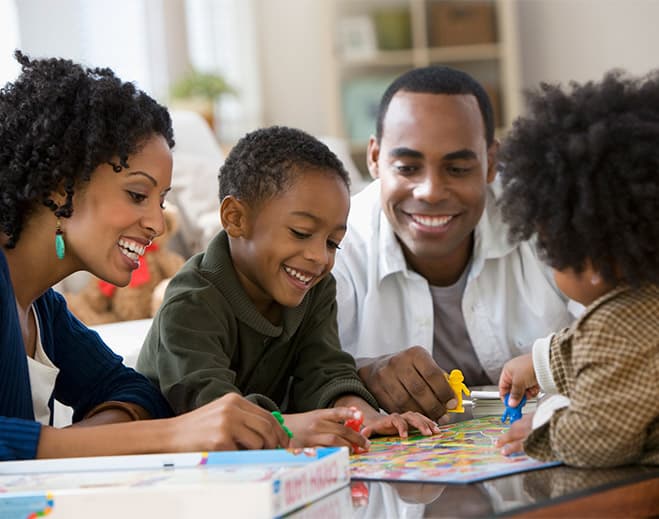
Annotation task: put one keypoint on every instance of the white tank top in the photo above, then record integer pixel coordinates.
(42, 377)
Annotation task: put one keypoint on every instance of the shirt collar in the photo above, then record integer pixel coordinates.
(217, 265)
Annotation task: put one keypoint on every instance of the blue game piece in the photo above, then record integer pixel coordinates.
(512, 413)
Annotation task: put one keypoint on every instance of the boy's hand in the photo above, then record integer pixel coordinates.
(326, 427)
(511, 441)
(392, 424)
(518, 378)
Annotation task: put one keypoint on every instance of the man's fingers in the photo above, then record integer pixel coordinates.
(435, 378)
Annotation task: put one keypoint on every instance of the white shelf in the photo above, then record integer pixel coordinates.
(494, 64)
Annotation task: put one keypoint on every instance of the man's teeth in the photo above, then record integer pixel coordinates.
(431, 221)
(131, 249)
(298, 275)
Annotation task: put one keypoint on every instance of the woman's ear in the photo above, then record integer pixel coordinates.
(234, 216)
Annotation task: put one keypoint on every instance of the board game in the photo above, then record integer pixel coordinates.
(463, 452)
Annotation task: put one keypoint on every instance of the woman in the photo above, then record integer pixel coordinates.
(85, 164)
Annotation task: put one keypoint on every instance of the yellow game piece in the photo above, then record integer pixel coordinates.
(455, 380)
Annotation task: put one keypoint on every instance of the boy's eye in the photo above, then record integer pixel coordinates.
(299, 235)
(136, 197)
(332, 245)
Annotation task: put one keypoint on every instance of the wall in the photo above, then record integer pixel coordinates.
(564, 40)
(560, 40)
(293, 65)
(142, 41)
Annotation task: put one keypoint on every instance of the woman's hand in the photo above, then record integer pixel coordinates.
(229, 423)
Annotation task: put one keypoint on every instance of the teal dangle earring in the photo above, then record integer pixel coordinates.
(60, 248)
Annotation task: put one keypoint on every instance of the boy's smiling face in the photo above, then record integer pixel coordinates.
(286, 244)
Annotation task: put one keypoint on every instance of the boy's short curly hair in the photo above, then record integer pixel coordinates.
(582, 170)
(59, 122)
(264, 162)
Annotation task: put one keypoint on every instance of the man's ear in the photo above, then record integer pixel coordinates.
(234, 215)
(492, 161)
(372, 154)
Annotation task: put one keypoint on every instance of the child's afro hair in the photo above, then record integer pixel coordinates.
(582, 171)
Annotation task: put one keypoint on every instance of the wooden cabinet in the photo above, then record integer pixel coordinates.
(370, 42)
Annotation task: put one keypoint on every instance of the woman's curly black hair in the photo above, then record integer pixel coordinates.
(59, 121)
(582, 171)
(264, 162)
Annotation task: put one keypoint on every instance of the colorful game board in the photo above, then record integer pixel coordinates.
(463, 452)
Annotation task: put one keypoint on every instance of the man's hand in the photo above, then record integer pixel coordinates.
(409, 381)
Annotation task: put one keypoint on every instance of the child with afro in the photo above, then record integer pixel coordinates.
(255, 313)
(582, 172)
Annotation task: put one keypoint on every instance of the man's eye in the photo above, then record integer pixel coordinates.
(453, 170)
(405, 169)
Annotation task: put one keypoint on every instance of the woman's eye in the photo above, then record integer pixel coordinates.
(136, 197)
(299, 235)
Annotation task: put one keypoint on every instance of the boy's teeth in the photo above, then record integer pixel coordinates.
(298, 275)
(431, 221)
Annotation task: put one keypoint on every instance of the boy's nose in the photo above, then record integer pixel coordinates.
(317, 252)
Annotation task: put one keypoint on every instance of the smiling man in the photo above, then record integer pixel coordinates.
(427, 280)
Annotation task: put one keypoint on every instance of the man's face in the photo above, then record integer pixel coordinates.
(434, 165)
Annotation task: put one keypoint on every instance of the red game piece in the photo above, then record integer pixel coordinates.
(356, 424)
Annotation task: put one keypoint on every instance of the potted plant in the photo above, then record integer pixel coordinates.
(198, 91)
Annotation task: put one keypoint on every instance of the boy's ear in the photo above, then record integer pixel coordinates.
(234, 216)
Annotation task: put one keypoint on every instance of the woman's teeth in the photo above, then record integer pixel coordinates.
(131, 249)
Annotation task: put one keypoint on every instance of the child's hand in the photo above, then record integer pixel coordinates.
(517, 378)
(511, 441)
(399, 424)
(325, 427)
(229, 423)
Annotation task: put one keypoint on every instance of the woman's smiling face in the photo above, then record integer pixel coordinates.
(116, 214)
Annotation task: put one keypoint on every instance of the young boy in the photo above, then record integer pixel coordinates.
(582, 171)
(255, 313)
